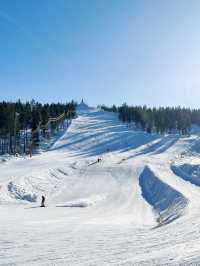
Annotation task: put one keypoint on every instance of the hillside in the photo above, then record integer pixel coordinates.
(139, 205)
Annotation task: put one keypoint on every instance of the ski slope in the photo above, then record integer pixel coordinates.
(139, 205)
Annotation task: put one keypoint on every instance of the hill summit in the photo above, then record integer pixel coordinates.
(83, 107)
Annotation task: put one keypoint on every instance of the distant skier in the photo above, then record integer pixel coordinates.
(43, 201)
(160, 219)
(99, 160)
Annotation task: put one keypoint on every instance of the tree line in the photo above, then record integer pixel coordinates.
(160, 120)
(17, 118)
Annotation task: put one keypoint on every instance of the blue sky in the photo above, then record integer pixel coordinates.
(105, 51)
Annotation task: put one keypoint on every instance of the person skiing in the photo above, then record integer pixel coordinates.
(43, 201)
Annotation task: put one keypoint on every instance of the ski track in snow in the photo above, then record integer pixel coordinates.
(138, 206)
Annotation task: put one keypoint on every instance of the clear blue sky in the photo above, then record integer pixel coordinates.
(106, 51)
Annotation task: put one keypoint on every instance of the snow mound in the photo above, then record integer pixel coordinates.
(82, 203)
(5, 158)
(195, 147)
(188, 172)
(20, 193)
(75, 204)
(167, 202)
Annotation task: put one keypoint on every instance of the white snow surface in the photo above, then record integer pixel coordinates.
(138, 206)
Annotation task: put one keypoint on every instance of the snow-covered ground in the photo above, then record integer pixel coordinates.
(138, 206)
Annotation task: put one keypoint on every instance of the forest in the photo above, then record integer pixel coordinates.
(23, 124)
(160, 120)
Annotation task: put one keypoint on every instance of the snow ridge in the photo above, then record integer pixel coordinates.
(188, 172)
(168, 203)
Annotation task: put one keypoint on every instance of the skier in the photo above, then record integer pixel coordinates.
(42, 202)
(160, 219)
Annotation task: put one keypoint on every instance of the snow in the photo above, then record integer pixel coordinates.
(20, 193)
(168, 202)
(188, 172)
(138, 206)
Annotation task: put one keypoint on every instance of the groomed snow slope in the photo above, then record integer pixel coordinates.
(128, 209)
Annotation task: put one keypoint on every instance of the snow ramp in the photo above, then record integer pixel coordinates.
(168, 203)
